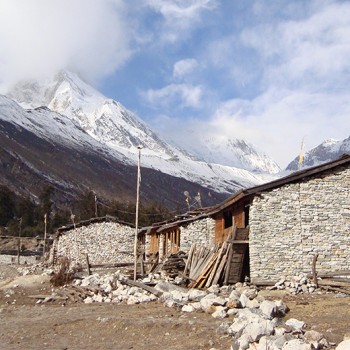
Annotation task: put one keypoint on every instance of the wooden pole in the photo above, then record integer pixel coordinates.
(95, 206)
(19, 241)
(87, 264)
(314, 273)
(137, 211)
(45, 233)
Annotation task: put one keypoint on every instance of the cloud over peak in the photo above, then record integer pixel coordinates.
(39, 37)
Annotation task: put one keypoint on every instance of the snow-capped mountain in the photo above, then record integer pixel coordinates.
(112, 125)
(231, 152)
(43, 148)
(327, 151)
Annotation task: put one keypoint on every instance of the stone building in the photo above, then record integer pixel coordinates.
(105, 240)
(276, 228)
(169, 237)
(289, 221)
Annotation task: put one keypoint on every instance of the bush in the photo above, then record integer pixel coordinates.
(64, 275)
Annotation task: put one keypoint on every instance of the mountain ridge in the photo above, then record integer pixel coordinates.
(111, 124)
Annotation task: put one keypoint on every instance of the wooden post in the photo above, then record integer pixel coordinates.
(314, 273)
(87, 264)
(45, 233)
(19, 241)
(137, 211)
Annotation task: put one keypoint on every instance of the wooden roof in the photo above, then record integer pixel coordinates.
(244, 193)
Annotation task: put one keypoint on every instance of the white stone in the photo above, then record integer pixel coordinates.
(256, 330)
(238, 326)
(214, 289)
(251, 293)
(296, 344)
(234, 295)
(344, 345)
(188, 308)
(253, 304)
(282, 307)
(220, 312)
(295, 324)
(243, 300)
(196, 294)
(268, 308)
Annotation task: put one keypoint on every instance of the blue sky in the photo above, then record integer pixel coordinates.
(269, 71)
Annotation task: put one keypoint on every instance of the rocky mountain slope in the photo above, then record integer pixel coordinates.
(108, 122)
(39, 147)
(328, 150)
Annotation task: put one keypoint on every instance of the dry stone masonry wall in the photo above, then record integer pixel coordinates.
(290, 224)
(106, 242)
(199, 232)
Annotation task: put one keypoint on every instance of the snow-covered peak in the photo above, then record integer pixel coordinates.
(328, 150)
(229, 152)
(225, 165)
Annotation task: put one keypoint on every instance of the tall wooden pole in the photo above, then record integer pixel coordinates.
(45, 233)
(95, 206)
(137, 211)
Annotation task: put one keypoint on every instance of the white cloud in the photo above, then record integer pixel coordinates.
(180, 16)
(184, 67)
(314, 49)
(40, 37)
(278, 120)
(183, 95)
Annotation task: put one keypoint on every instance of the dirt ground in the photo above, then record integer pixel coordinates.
(27, 325)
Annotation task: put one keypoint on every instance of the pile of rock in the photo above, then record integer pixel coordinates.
(257, 322)
(112, 287)
(296, 285)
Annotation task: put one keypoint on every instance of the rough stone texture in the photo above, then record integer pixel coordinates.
(292, 223)
(199, 231)
(104, 242)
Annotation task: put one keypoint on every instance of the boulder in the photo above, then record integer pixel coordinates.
(268, 308)
(188, 308)
(220, 312)
(295, 324)
(257, 329)
(196, 294)
(344, 345)
(243, 300)
(282, 308)
(296, 344)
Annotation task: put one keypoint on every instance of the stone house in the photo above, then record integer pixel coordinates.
(169, 237)
(276, 228)
(105, 240)
(290, 220)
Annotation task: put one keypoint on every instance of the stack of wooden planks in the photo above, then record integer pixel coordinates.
(207, 266)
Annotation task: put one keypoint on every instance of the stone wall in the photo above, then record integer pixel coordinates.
(106, 242)
(199, 231)
(290, 224)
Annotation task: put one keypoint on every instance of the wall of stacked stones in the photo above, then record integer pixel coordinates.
(199, 232)
(106, 242)
(290, 224)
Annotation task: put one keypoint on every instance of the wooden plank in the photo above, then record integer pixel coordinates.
(222, 252)
(332, 283)
(220, 269)
(228, 265)
(152, 290)
(189, 260)
(332, 274)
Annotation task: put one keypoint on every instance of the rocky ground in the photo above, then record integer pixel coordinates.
(69, 323)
